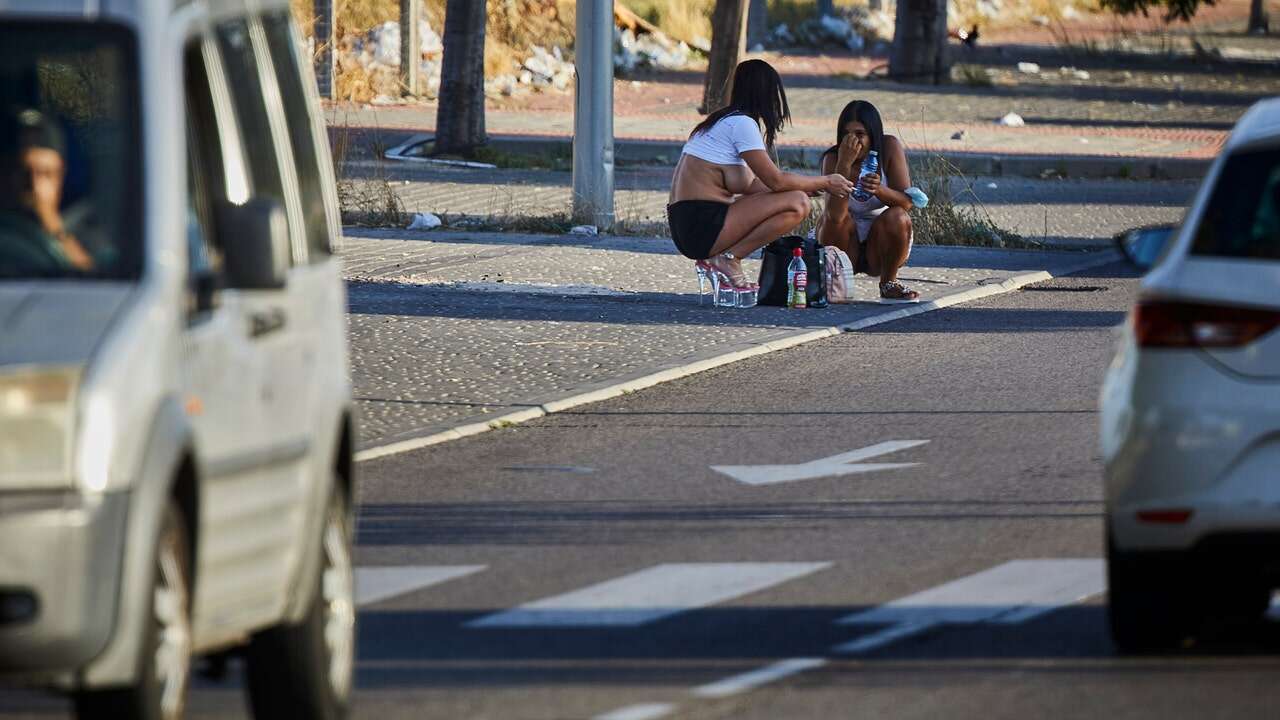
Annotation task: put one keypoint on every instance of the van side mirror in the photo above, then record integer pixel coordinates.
(255, 244)
(1143, 246)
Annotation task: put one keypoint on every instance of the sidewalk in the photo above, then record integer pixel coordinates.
(1110, 98)
(1056, 212)
(454, 333)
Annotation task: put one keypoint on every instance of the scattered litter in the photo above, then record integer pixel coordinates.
(1012, 120)
(1028, 68)
(648, 50)
(1083, 141)
(958, 135)
(1069, 12)
(584, 230)
(1041, 20)
(1081, 74)
(425, 221)
(992, 186)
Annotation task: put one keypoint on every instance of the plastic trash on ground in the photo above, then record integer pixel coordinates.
(425, 221)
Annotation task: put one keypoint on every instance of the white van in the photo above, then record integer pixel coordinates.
(176, 424)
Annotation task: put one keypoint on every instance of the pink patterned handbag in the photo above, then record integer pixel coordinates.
(839, 271)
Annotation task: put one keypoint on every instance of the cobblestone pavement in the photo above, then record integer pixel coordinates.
(1055, 211)
(448, 328)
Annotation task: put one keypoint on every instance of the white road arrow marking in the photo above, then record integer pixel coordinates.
(848, 463)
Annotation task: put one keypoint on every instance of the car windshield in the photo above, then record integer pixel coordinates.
(1242, 219)
(70, 194)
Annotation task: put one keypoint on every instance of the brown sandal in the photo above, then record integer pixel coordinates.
(894, 292)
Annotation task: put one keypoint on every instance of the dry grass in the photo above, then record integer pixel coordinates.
(1013, 13)
(956, 218)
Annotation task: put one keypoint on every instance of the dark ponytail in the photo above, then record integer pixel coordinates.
(757, 93)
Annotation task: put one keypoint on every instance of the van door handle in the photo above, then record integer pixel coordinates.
(266, 322)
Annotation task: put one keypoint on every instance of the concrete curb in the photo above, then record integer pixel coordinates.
(970, 163)
(681, 371)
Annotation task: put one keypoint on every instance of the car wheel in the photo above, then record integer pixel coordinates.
(164, 674)
(1147, 609)
(305, 669)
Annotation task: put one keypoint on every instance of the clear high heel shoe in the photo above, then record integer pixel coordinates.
(729, 285)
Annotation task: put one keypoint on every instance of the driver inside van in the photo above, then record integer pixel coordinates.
(33, 234)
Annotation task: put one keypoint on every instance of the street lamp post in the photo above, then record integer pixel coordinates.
(410, 45)
(593, 114)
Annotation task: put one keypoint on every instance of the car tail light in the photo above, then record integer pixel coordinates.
(1159, 324)
(1171, 516)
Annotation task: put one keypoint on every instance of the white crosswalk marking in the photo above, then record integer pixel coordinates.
(1014, 592)
(650, 594)
(375, 584)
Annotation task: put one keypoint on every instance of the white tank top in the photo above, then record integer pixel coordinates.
(724, 142)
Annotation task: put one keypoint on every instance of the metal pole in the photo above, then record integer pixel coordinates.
(757, 23)
(322, 36)
(410, 45)
(593, 114)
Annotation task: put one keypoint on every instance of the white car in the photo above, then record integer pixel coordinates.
(1190, 408)
(176, 424)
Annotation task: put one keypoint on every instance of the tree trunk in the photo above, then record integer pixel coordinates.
(919, 53)
(460, 113)
(728, 35)
(1259, 21)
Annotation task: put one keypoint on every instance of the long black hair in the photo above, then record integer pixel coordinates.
(757, 93)
(867, 114)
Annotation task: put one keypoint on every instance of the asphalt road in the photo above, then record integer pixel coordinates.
(592, 564)
(612, 516)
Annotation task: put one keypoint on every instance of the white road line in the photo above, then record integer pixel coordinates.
(681, 371)
(375, 584)
(846, 463)
(650, 594)
(755, 678)
(643, 711)
(887, 636)
(1014, 592)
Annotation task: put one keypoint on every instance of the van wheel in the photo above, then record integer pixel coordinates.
(305, 670)
(164, 672)
(1147, 610)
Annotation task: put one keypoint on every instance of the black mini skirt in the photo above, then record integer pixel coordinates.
(695, 225)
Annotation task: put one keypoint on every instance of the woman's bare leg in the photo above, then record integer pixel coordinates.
(889, 244)
(838, 228)
(757, 220)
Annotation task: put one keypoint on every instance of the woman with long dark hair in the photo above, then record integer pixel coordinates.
(876, 232)
(727, 197)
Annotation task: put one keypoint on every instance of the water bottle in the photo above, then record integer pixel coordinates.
(870, 166)
(797, 280)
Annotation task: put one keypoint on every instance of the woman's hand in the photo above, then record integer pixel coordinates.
(871, 183)
(847, 154)
(838, 185)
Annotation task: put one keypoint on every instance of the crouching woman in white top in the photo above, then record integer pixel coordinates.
(727, 197)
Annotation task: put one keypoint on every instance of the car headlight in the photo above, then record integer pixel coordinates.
(37, 421)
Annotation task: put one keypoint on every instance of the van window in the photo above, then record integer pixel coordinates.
(206, 173)
(1242, 219)
(251, 112)
(70, 154)
(284, 59)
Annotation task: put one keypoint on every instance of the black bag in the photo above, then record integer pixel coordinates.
(773, 271)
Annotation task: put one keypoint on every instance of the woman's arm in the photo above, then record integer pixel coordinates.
(778, 181)
(896, 173)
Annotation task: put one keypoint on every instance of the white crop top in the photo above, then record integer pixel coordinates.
(724, 142)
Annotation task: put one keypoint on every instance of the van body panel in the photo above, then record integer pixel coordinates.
(55, 323)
